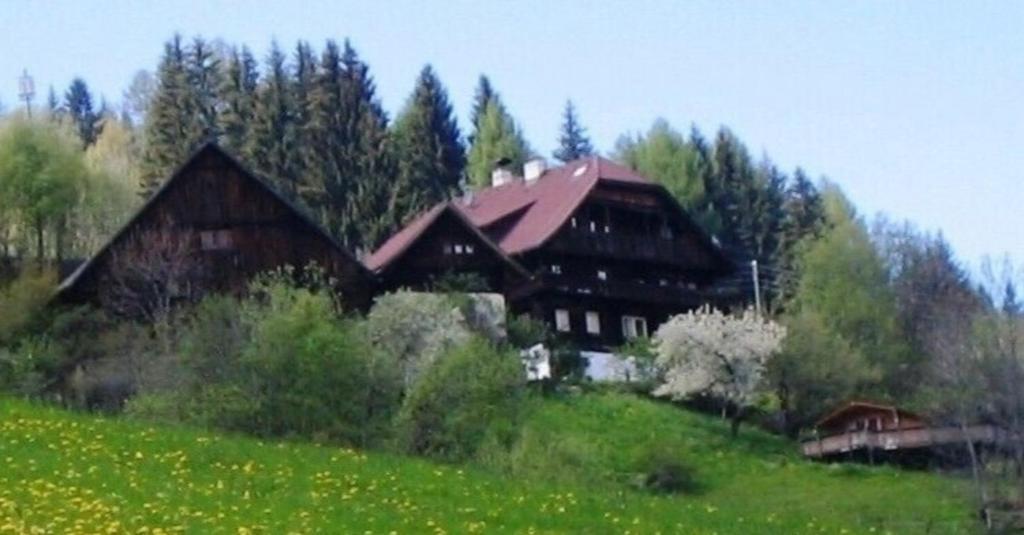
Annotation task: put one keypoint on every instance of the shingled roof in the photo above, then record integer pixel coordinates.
(535, 209)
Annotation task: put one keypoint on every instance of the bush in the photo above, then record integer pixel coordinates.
(414, 329)
(662, 471)
(22, 303)
(472, 393)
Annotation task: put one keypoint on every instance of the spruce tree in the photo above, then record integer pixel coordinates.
(204, 83)
(497, 138)
(52, 104)
(169, 121)
(430, 156)
(78, 103)
(573, 142)
(238, 94)
(350, 163)
(301, 94)
(270, 144)
(483, 96)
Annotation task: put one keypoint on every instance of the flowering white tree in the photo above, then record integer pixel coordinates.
(708, 352)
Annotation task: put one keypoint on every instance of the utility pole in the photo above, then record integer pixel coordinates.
(757, 287)
(26, 91)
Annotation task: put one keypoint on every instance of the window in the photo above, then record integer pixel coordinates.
(215, 240)
(634, 326)
(593, 322)
(593, 226)
(469, 249)
(573, 221)
(562, 320)
(447, 248)
(602, 275)
(458, 248)
(556, 269)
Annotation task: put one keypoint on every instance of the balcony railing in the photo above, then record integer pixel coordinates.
(628, 246)
(899, 439)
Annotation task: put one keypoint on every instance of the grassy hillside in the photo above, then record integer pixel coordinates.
(62, 472)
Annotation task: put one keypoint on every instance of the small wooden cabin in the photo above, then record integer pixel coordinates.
(862, 430)
(210, 227)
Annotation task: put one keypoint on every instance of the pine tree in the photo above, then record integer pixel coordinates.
(204, 83)
(78, 102)
(238, 94)
(483, 96)
(169, 121)
(301, 94)
(803, 219)
(52, 104)
(497, 138)
(573, 142)
(430, 156)
(270, 144)
(349, 161)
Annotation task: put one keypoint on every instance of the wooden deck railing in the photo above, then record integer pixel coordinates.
(899, 439)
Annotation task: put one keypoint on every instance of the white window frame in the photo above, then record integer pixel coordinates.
(556, 269)
(563, 322)
(593, 322)
(469, 248)
(602, 274)
(630, 324)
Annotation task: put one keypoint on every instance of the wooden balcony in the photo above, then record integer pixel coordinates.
(629, 246)
(623, 290)
(901, 439)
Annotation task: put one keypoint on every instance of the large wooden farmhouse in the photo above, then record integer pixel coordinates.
(209, 228)
(595, 250)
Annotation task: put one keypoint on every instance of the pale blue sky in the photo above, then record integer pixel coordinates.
(915, 108)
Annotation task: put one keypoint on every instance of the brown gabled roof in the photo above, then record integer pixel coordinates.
(536, 209)
(859, 406)
(545, 203)
(262, 183)
(397, 245)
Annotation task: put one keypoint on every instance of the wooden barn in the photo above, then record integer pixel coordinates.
(210, 227)
(597, 251)
(862, 430)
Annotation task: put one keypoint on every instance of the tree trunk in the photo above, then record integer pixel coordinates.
(737, 419)
(39, 240)
(976, 475)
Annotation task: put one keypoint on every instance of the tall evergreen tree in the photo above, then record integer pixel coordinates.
(497, 138)
(351, 160)
(270, 142)
(803, 219)
(204, 84)
(573, 142)
(430, 156)
(302, 86)
(238, 94)
(483, 96)
(52, 103)
(169, 121)
(78, 102)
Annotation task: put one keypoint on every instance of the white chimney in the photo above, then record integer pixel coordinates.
(533, 169)
(501, 174)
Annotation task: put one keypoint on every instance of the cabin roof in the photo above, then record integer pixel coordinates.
(859, 406)
(206, 148)
(539, 207)
(395, 247)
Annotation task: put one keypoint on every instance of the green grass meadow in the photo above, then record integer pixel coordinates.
(570, 471)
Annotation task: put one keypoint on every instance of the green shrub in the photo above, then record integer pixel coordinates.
(661, 470)
(22, 303)
(471, 393)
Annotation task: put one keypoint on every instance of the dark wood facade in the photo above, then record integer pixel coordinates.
(217, 225)
(606, 258)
